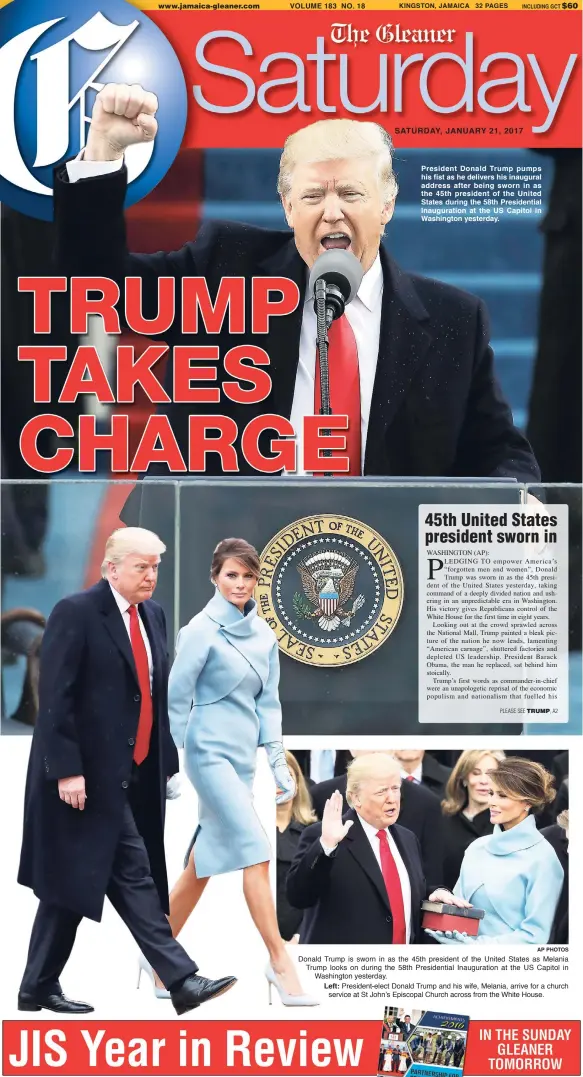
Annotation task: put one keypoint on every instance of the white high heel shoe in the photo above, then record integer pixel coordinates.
(287, 1000)
(144, 966)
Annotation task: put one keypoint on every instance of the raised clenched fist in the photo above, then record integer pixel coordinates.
(122, 116)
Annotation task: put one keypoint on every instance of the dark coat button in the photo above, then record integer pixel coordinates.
(131, 740)
(136, 699)
(389, 919)
(124, 785)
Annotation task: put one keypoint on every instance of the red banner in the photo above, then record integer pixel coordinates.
(172, 1047)
(523, 1047)
(457, 78)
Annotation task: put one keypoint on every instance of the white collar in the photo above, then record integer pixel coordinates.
(370, 831)
(123, 604)
(371, 286)
(417, 774)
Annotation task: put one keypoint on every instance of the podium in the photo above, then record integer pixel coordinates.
(373, 693)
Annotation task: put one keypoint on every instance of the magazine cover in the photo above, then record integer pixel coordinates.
(291, 536)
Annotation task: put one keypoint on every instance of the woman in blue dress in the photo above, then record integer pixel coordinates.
(513, 874)
(223, 704)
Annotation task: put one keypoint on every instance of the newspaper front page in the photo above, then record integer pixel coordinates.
(291, 336)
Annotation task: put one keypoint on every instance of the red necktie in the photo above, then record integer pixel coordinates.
(393, 885)
(410, 778)
(344, 386)
(142, 669)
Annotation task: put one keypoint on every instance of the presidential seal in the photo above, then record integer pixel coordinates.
(331, 589)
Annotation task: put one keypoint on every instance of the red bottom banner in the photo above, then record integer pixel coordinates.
(218, 1048)
(523, 1047)
(171, 1047)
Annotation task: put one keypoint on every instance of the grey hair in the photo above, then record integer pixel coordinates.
(128, 540)
(330, 140)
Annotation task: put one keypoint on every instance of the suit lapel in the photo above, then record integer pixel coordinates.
(113, 622)
(430, 768)
(153, 637)
(403, 341)
(283, 340)
(360, 848)
(416, 895)
(403, 346)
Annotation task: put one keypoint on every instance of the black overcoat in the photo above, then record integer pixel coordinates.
(344, 895)
(420, 812)
(89, 706)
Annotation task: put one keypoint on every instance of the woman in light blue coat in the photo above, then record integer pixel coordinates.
(223, 704)
(514, 874)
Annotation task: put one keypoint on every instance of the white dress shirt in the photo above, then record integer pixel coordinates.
(417, 774)
(124, 606)
(80, 169)
(375, 844)
(364, 315)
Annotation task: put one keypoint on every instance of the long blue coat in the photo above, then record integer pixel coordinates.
(223, 703)
(516, 877)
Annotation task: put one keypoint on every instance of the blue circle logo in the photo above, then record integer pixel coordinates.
(55, 56)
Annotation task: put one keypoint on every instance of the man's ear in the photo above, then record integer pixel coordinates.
(387, 212)
(287, 209)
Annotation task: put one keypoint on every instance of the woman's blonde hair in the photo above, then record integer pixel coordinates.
(302, 811)
(456, 793)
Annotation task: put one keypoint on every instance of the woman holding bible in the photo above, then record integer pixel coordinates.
(513, 874)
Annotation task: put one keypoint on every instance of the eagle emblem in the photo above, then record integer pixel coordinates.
(328, 581)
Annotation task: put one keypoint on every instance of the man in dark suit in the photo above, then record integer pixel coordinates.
(414, 352)
(359, 876)
(420, 812)
(558, 836)
(96, 786)
(420, 768)
(406, 1026)
(395, 1059)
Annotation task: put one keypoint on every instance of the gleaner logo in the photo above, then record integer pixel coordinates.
(331, 588)
(52, 67)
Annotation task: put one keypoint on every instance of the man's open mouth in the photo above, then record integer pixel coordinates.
(335, 241)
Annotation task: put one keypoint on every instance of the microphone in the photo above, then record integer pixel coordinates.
(335, 279)
(336, 274)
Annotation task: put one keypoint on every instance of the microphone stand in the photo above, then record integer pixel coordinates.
(326, 311)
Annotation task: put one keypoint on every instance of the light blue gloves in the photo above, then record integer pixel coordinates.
(452, 938)
(284, 781)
